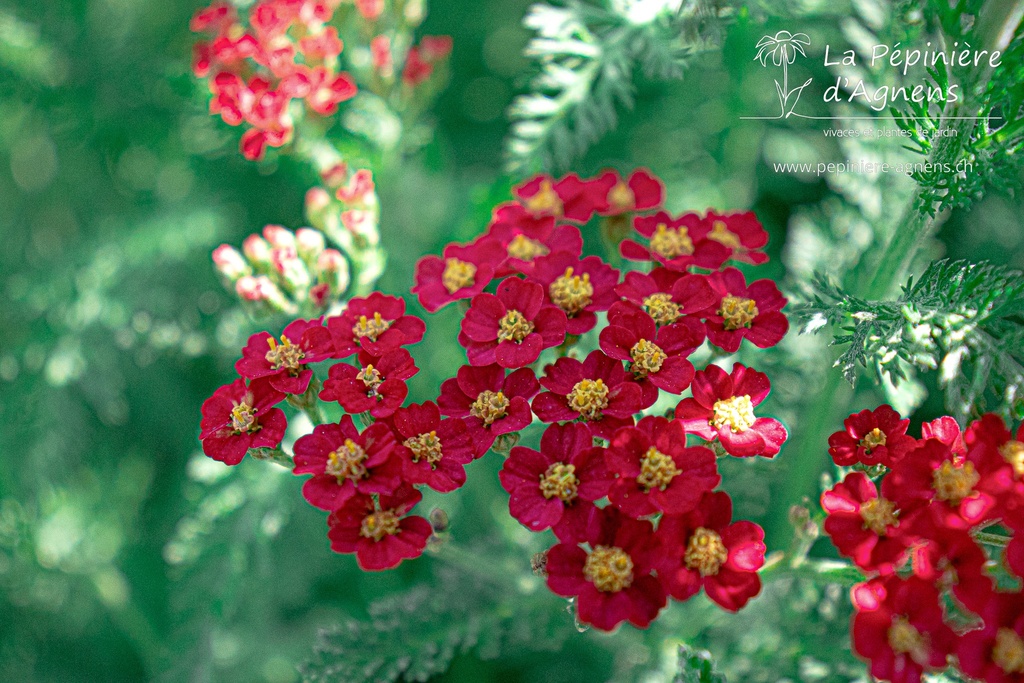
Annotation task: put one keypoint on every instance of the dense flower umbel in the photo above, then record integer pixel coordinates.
(612, 579)
(512, 327)
(869, 529)
(556, 486)
(433, 451)
(490, 402)
(376, 324)
(344, 463)
(753, 313)
(598, 391)
(656, 471)
(381, 534)
(722, 408)
(676, 243)
(705, 549)
(657, 357)
(579, 288)
(462, 273)
(239, 417)
(377, 386)
(285, 361)
(871, 437)
(898, 627)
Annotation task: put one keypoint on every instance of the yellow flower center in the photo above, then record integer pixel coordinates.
(737, 412)
(457, 274)
(588, 398)
(905, 639)
(1013, 453)
(609, 568)
(525, 249)
(284, 356)
(723, 235)
(370, 328)
(878, 514)
(571, 293)
(872, 440)
(737, 312)
(647, 357)
(662, 309)
(347, 462)
(705, 552)
(377, 525)
(424, 447)
(953, 483)
(243, 418)
(546, 201)
(370, 376)
(489, 406)
(621, 198)
(559, 481)
(671, 242)
(514, 327)
(1008, 653)
(657, 470)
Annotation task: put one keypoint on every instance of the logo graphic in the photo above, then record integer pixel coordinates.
(782, 49)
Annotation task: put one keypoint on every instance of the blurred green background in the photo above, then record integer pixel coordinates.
(125, 555)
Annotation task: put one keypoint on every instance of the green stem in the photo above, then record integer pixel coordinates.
(987, 538)
(274, 455)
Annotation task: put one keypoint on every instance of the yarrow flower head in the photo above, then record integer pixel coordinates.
(741, 312)
(461, 273)
(285, 360)
(376, 324)
(239, 417)
(381, 533)
(433, 451)
(490, 403)
(722, 408)
(871, 437)
(377, 386)
(676, 243)
(578, 287)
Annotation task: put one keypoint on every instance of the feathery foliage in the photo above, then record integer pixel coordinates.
(587, 56)
(963, 319)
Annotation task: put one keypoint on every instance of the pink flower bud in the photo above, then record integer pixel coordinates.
(359, 189)
(229, 262)
(334, 176)
(380, 55)
(370, 9)
(330, 261)
(256, 249)
(293, 271)
(319, 294)
(309, 243)
(279, 236)
(362, 224)
(253, 288)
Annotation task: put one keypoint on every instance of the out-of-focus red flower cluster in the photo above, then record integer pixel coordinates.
(279, 61)
(554, 337)
(924, 536)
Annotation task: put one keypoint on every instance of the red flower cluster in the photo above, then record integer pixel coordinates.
(631, 497)
(919, 537)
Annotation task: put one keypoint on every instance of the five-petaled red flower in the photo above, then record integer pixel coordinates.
(382, 534)
(239, 417)
(377, 386)
(676, 243)
(579, 287)
(753, 313)
(285, 361)
(462, 273)
(433, 451)
(866, 527)
(490, 402)
(871, 437)
(375, 324)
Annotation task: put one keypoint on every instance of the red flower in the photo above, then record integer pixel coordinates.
(239, 417)
(960, 492)
(995, 652)
(377, 387)
(705, 549)
(951, 558)
(657, 357)
(752, 313)
(991, 443)
(871, 437)
(640, 192)
(667, 295)
(511, 327)
(578, 287)
(556, 486)
(461, 274)
(741, 233)
(375, 324)
(946, 430)
(345, 463)
(676, 243)
(612, 580)
(898, 627)
(525, 244)
(598, 391)
(433, 451)
(490, 403)
(370, 9)
(867, 528)
(571, 197)
(285, 362)
(380, 535)
(723, 406)
(656, 471)
(417, 69)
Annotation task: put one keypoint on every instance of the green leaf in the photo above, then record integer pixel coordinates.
(696, 666)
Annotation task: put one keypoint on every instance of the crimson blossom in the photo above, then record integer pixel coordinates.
(751, 312)
(871, 437)
(612, 579)
(376, 387)
(676, 243)
(667, 295)
(579, 287)
(433, 451)
(490, 403)
(239, 417)
(722, 408)
(462, 273)
(381, 534)
(374, 324)
(285, 362)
